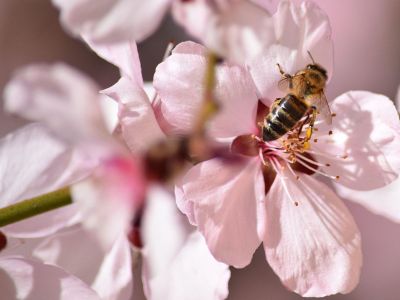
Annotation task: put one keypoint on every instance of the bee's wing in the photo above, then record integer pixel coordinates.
(321, 103)
(285, 84)
(295, 82)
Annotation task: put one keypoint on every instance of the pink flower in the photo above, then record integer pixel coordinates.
(33, 162)
(112, 196)
(310, 239)
(103, 273)
(232, 28)
(95, 272)
(61, 97)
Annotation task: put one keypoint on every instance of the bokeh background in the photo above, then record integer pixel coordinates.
(366, 36)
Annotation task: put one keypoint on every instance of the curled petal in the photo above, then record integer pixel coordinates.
(123, 55)
(311, 241)
(235, 30)
(179, 82)
(222, 199)
(185, 264)
(33, 163)
(61, 98)
(363, 149)
(28, 279)
(110, 21)
(114, 280)
(140, 128)
(297, 30)
(109, 198)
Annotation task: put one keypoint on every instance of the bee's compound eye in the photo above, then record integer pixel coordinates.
(309, 67)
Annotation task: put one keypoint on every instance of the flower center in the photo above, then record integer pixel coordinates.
(294, 150)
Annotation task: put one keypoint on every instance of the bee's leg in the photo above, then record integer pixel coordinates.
(283, 73)
(305, 121)
(310, 128)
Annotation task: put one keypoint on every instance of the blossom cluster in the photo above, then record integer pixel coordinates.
(174, 183)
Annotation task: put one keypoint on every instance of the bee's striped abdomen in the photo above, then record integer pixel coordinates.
(283, 117)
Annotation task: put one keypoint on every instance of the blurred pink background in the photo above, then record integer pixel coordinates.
(367, 48)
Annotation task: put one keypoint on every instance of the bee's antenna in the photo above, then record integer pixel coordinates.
(309, 53)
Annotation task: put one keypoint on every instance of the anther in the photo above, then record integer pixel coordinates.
(345, 156)
(315, 140)
(333, 114)
(328, 165)
(337, 177)
(296, 203)
(330, 132)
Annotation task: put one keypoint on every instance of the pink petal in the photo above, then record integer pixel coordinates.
(296, 31)
(235, 30)
(60, 97)
(224, 199)
(60, 249)
(27, 279)
(123, 55)
(109, 21)
(314, 247)
(114, 280)
(109, 273)
(179, 82)
(367, 130)
(45, 224)
(140, 129)
(184, 268)
(109, 199)
(33, 163)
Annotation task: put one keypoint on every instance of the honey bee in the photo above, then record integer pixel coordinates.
(305, 98)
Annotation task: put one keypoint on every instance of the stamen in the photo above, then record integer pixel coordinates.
(289, 160)
(317, 171)
(293, 172)
(260, 153)
(276, 168)
(302, 157)
(334, 157)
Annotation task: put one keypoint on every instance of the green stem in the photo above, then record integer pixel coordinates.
(209, 106)
(35, 206)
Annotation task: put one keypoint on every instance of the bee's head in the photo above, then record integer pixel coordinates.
(319, 69)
